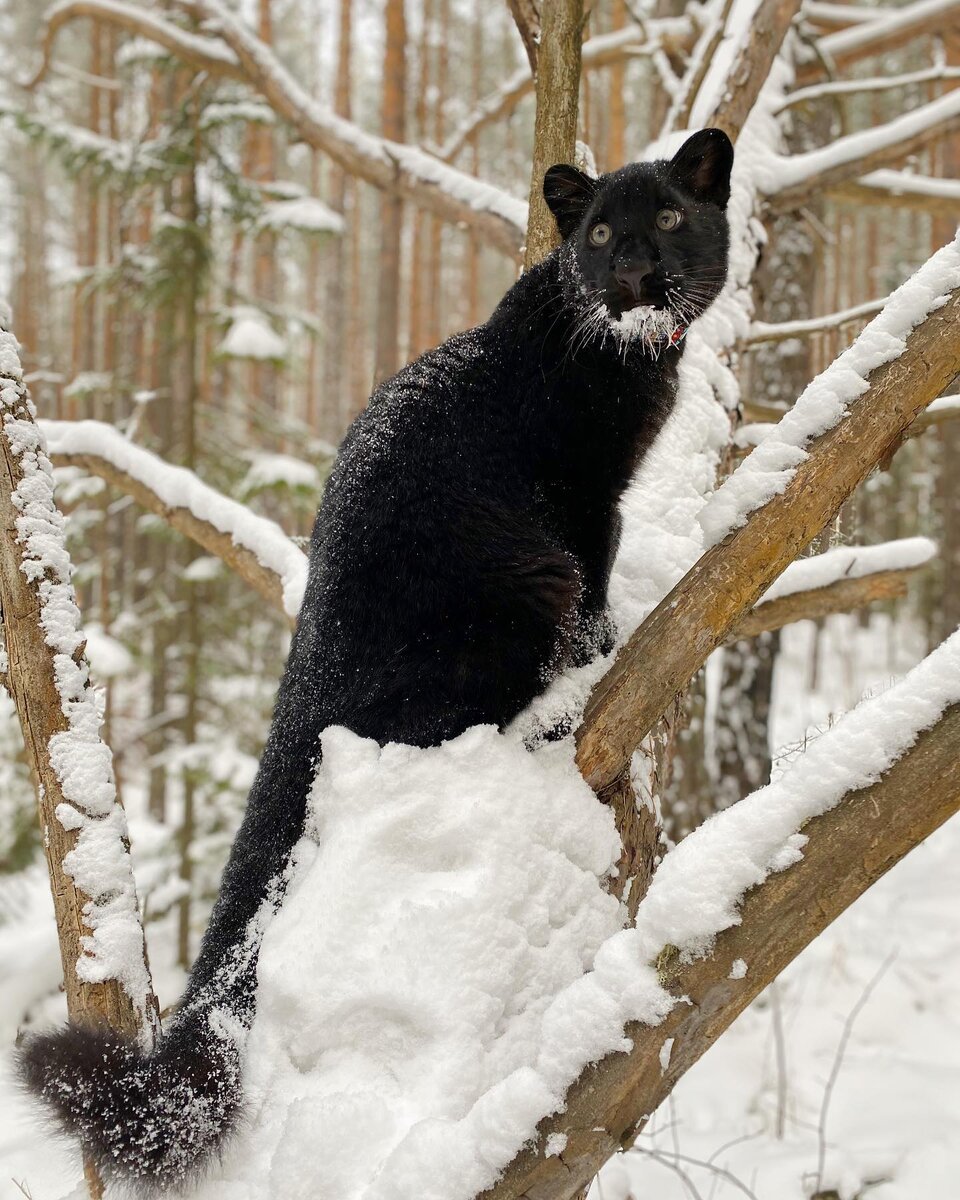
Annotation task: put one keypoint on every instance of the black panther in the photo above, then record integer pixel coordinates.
(460, 559)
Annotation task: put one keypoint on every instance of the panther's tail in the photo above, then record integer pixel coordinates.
(152, 1119)
(155, 1119)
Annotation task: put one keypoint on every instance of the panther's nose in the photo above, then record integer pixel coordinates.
(633, 274)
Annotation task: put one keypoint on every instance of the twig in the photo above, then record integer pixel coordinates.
(838, 1062)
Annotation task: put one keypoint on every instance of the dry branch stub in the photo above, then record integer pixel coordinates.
(106, 977)
(701, 611)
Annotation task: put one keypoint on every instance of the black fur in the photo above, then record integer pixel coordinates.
(460, 558)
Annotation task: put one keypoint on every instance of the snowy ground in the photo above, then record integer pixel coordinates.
(892, 1127)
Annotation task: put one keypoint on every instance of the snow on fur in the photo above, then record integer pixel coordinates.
(99, 864)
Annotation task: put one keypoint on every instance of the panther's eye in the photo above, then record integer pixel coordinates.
(668, 218)
(600, 234)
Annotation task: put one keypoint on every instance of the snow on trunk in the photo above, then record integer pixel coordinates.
(85, 830)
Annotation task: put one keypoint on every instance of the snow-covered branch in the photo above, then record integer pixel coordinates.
(732, 85)
(839, 580)
(889, 31)
(826, 15)
(776, 502)
(736, 902)
(203, 53)
(781, 331)
(85, 833)
(756, 415)
(448, 193)
(835, 88)
(902, 189)
(790, 180)
(256, 548)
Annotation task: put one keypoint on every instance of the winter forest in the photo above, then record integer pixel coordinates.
(706, 944)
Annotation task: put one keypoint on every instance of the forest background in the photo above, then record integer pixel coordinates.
(188, 268)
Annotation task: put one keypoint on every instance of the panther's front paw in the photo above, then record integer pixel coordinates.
(596, 638)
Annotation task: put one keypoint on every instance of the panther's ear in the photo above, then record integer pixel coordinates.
(568, 193)
(702, 166)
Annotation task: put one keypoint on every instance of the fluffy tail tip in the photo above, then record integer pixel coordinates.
(155, 1120)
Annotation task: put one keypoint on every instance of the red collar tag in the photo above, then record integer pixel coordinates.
(678, 335)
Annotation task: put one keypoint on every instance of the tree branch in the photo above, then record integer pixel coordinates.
(526, 17)
(730, 577)
(901, 189)
(257, 549)
(674, 35)
(203, 53)
(843, 596)
(890, 31)
(847, 850)
(938, 412)
(450, 194)
(555, 131)
(761, 333)
(751, 66)
(796, 177)
(838, 88)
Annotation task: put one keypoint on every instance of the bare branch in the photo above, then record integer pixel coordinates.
(902, 189)
(257, 549)
(762, 333)
(800, 175)
(729, 579)
(847, 850)
(526, 17)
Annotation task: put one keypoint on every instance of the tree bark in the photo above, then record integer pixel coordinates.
(843, 596)
(555, 131)
(393, 126)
